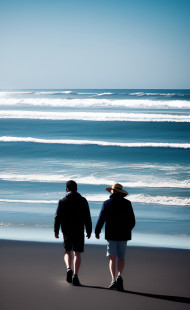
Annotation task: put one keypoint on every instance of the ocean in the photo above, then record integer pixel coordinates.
(139, 138)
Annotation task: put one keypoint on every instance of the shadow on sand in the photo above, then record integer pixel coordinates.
(185, 300)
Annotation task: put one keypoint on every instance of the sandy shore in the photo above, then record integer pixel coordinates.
(33, 278)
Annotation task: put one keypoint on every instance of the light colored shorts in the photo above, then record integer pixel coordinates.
(116, 248)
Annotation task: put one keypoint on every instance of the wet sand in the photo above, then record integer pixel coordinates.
(33, 278)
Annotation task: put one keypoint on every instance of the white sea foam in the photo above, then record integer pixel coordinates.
(8, 93)
(103, 94)
(30, 201)
(94, 116)
(138, 198)
(161, 200)
(95, 102)
(52, 92)
(91, 180)
(95, 142)
(155, 94)
(146, 199)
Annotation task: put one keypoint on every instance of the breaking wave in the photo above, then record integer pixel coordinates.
(167, 94)
(138, 198)
(91, 180)
(95, 102)
(96, 116)
(160, 200)
(95, 142)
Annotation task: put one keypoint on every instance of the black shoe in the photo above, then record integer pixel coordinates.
(76, 281)
(120, 284)
(113, 285)
(69, 275)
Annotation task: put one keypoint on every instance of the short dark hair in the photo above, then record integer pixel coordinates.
(71, 186)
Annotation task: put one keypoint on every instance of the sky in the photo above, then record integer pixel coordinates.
(74, 44)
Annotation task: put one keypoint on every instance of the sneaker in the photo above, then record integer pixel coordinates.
(69, 275)
(120, 284)
(76, 281)
(113, 285)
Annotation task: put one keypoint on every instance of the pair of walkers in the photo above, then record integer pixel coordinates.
(73, 216)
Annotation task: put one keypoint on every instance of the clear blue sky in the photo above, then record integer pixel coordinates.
(94, 44)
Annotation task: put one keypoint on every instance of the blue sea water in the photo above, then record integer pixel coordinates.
(139, 138)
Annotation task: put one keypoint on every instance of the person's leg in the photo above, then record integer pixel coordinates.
(78, 248)
(76, 266)
(112, 254)
(68, 259)
(112, 266)
(76, 262)
(68, 251)
(120, 265)
(121, 256)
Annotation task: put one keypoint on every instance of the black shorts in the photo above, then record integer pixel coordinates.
(74, 243)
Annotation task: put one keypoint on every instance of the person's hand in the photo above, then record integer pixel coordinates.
(88, 236)
(97, 236)
(56, 236)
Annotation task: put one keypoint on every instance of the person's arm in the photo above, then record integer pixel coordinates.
(57, 221)
(56, 235)
(132, 221)
(88, 221)
(101, 221)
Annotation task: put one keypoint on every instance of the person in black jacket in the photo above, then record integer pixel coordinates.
(118, 216)
(73, 215)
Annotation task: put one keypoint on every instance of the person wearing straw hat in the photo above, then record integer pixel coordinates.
(118, 216)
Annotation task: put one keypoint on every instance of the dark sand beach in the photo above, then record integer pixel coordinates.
(33, 278)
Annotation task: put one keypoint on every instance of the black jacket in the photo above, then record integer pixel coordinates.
(118, 216)
(73, 215)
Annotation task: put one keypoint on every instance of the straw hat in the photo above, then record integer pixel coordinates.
(118, 188)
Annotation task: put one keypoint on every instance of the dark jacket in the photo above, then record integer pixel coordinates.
(118, 216)
(73, 215)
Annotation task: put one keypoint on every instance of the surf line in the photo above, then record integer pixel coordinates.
(96, 142)
(98, 116)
